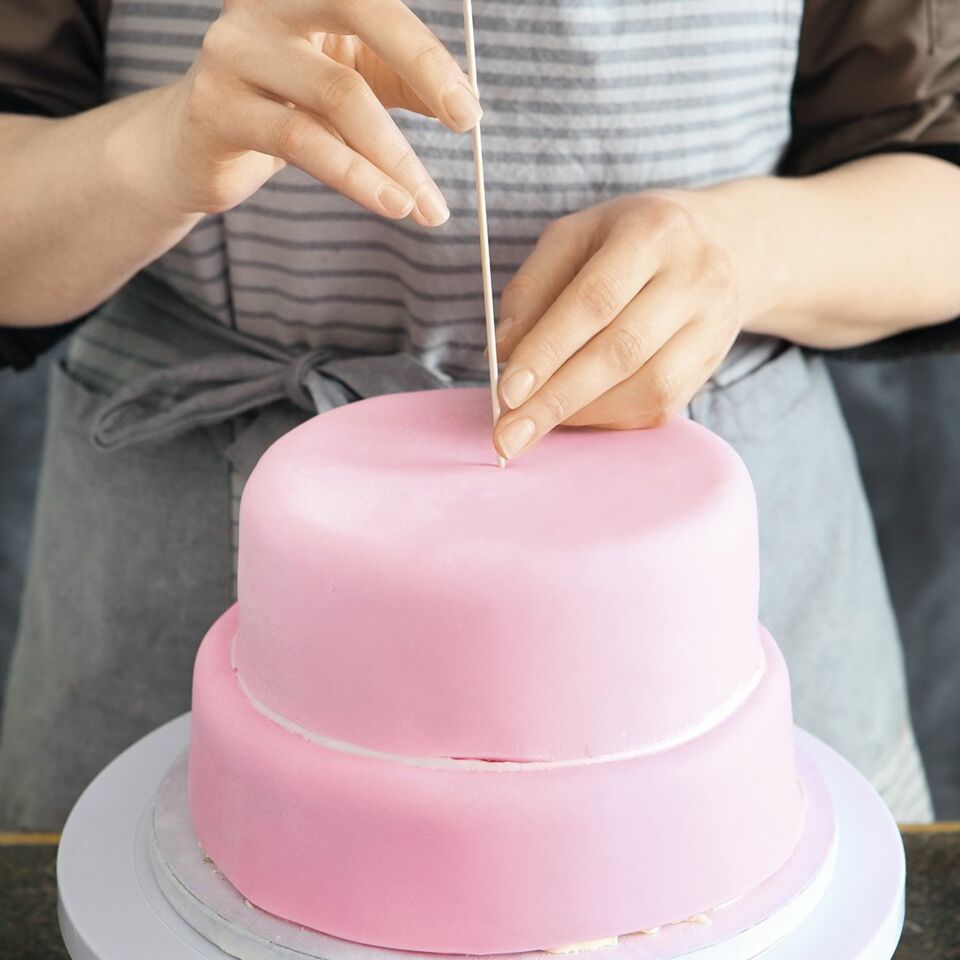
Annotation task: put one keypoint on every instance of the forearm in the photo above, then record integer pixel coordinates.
(86, 202)
(84, 207)
(850, 256)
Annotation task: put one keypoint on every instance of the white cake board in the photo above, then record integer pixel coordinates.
(112, 908)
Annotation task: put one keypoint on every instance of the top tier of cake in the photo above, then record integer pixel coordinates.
(398, 593)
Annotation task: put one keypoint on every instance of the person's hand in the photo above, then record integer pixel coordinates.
(620, 314)
(309, 83)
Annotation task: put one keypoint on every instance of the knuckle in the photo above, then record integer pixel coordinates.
(521, 286)
(548, 354)
(555, 229)
(342, 90)
(626, 350)
(339, 46)
(716, 267)
(203, 99)
(353, 175)
(220, 42)
(210, 44)
(401, 162)
(664, 391)
(658, 418)
(669, 217)
(291, 136)
(556, 406)
(599, 295)
(430, 57)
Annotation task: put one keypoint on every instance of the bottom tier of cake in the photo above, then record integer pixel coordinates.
(473, 857)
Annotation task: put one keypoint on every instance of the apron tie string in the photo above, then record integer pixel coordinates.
(217, 386)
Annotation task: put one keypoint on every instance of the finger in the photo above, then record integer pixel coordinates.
(662, 387)
(398, 37)
(296, 71)
(601, 290)
(393, 92)
(560, 252)
(610, 358)
(261, 124)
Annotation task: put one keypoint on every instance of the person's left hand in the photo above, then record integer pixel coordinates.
(617, 318)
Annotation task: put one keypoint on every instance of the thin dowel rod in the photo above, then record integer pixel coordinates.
(488, 313)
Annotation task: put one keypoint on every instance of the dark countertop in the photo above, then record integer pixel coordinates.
(28, 896)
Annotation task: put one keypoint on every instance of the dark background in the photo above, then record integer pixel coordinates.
(905, 417)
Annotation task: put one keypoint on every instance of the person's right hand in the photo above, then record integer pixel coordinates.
(309, 83)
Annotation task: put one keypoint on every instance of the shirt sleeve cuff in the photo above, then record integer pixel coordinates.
(20, 346)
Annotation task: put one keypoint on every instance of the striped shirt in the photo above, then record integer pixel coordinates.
(605, 95)
(584, 100)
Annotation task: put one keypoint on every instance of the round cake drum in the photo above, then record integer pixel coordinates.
(134, 882)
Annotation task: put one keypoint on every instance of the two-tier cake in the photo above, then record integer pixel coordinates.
(469, 710)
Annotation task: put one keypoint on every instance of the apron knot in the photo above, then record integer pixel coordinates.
(222, 373)
(301, 379)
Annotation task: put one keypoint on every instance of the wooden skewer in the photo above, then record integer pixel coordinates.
(488, 312)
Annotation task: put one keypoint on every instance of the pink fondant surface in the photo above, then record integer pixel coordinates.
(399, 592)
(494, 860)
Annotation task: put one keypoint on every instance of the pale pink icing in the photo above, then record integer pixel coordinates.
(488, 859)
(399, 592)
(591, 612)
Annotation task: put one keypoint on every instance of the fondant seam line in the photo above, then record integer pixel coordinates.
(709, 722)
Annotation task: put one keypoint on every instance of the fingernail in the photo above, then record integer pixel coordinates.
(504, 328)
(462, 106)
(517, 387)
(516, 436)
(396, 202)
(433, 208)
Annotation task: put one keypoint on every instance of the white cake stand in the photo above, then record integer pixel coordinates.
(112, 907)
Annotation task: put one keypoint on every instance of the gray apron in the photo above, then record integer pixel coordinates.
(135, 536)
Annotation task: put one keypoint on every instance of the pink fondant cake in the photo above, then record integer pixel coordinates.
(468, 710)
